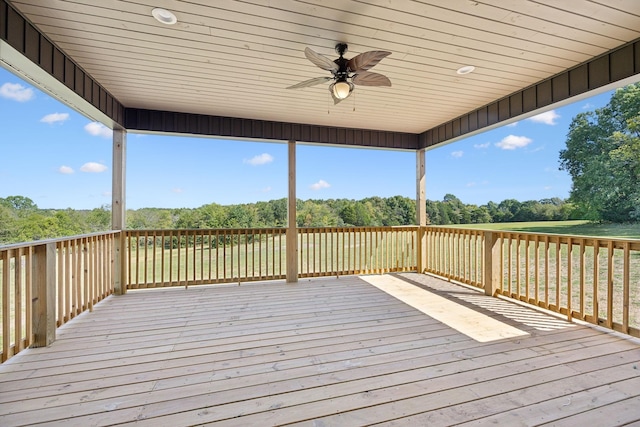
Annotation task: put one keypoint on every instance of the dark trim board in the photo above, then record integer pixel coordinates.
(196, 124)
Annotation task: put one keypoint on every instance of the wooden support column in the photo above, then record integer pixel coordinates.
(421, 209)
(118, 204)
(119, 208)
(292, 229)
(491, 267)
(43, 294)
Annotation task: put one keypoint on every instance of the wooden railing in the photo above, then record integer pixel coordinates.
(45, 284)
(161, 258)
(356, 250)
(456, 254)
(591, 279)
(596, 280)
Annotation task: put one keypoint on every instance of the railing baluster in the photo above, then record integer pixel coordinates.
(596, 281)
(60, 282)
(569, 277)
(625, 286)
(536, 260)
(583, 273)
(610, 284)
(67, 280)
(526, 268)
(558, 275)
(7, 256)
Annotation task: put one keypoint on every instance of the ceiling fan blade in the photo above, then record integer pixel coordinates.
(367, 78)
(321, 61)
(366, 60)
(311, 82)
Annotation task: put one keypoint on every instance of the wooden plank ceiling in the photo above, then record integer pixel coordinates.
(236, 58)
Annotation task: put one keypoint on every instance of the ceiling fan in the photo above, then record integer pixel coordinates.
(343, 70)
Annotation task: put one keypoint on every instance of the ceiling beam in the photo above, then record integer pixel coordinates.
(233, 127)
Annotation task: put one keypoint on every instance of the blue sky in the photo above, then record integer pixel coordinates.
(60, 159)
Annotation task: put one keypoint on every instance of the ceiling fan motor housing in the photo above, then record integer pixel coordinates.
(342, 63)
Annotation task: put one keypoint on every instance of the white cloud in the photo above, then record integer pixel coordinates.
(66, 170)
(588, 106)
(177, 190)
(261, 159)
(548, 118)
(16, 92)
(512, 142)
(93, 167)
(548, 187)
(266, 189)
(479, 146)
(319, 185)
(471, 184)
(55, 118)
(512, 125)
(457, 154)
(98, 129)
(106, 194)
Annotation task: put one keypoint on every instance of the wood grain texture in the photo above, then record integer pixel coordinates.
(332, 351)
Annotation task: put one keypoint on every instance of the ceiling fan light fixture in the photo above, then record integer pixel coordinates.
(164, 16)
(465, 70)
(341, 89)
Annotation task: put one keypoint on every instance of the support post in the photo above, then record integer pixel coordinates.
(421, 209)
(118, 193)
(43, 294)
(492, 262)
(119, 209)
(292, 230)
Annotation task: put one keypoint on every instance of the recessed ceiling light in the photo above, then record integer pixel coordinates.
(466, 69)
(164, 16)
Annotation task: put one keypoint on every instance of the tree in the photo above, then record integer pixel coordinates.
(99, 219)
(602, 156)
(23, 206)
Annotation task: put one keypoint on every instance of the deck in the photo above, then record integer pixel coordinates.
(331, 351)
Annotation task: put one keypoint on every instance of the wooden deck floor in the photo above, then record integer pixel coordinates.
(323, 352)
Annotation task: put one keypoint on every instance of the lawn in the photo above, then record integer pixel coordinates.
(575, 228)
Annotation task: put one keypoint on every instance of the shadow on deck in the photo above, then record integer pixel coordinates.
(322, 352)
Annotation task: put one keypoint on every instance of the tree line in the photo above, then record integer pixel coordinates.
(22, 221)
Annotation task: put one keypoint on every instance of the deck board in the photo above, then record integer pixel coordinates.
(332, 351)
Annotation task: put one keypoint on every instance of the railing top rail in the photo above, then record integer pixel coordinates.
(56, 240)
(505, 233)
(363, 227)
(198, 230)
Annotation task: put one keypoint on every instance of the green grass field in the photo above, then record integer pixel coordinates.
(576, 228)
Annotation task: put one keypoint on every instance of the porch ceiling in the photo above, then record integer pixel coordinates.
(236, 58)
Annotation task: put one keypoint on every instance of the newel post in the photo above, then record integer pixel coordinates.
(292, 229)
(492, 262)
(43, 293)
